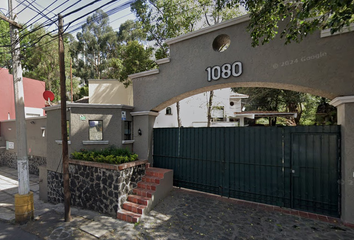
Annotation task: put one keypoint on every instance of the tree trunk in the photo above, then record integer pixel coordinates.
(209, 107)
(178, 117)
(272, 121)
(293, 107)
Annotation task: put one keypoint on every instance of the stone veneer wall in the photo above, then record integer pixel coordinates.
(8, 159)
(95, 187)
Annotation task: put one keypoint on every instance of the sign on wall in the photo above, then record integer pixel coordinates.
(225, 71)
(124, 115)
(10, 145)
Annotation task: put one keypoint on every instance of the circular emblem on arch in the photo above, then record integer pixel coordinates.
(221, 43)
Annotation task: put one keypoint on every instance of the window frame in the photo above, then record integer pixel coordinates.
(129, 123)
(168, 111)
(89, 132)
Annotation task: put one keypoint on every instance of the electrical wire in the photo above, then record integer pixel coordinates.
(24, 8)
(78, 25)
(41, 12)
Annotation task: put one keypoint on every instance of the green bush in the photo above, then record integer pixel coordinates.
(111, 155)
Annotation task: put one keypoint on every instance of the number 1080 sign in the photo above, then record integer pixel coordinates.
(225, 71)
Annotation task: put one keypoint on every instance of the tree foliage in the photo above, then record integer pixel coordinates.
(132, 58)
(101, 53)
(5, 46)
(163, 19)
(269, 99)
(131, 31)
(42, 61)
(300, 18)
(39, 56)
(94, 46)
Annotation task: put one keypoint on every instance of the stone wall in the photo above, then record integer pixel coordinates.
(96, 187)
(8, 159)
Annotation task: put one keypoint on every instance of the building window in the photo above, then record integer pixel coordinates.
(217, 113)
(168, 111)
(95, 130)
(127, 130)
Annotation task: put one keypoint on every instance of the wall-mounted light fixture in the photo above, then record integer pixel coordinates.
(32, 122)
(139, 132)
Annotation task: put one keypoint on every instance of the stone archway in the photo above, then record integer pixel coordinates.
(322, 64)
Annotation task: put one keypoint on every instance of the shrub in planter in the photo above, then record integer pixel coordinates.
(111, 155)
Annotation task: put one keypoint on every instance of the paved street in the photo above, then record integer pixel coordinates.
(182, 215)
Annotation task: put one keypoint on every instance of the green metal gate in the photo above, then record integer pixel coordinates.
(294, 167)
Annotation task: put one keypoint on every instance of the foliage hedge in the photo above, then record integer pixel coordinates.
(111, 155)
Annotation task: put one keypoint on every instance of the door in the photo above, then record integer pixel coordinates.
(315, 172)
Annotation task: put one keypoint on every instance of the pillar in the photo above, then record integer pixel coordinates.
(143, 124)
(345, 113)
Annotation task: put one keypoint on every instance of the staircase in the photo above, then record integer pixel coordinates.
(155, 186)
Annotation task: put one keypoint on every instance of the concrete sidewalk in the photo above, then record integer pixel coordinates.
(182, 215)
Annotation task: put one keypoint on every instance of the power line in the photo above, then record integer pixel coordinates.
(111, 12)
(40, 12)
(23, 8)
(49, 11)
(71, 29)
(18, 5)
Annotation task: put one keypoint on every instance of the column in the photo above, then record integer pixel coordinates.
(345, 113)
(143, 124)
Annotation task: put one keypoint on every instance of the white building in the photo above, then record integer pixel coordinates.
(193, 110)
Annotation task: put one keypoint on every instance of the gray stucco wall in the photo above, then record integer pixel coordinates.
(78, 116)
(54, 150)
(36, 143)
(345, 119)
(320, 66)
(112, 126)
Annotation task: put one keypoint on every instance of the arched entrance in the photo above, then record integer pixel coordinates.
(320, 65)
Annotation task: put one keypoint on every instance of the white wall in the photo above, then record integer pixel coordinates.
(110, 91)
(33, 112)
(193, 110)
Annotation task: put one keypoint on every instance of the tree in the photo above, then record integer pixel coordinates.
(42, 61)
(163, 19)
(39, 56)
(96, 44)
(132, 58)
(131, 31)
(269, 99)
(5, 45)
(301, 17)
(5, 49)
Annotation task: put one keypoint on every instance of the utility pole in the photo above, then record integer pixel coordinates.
(71, 78)
(24, 209)
(64, 133)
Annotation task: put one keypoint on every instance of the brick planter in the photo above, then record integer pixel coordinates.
(97, 186)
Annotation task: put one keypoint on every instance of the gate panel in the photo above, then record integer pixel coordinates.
(315, 172)
(255, 165)
(294, 167)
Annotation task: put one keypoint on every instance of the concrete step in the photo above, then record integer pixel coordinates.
(134, 207)
(156, 172)
(138, 199)
(143, 192)
(128, 216)
(147, 185)
(151, 179)
(155, 185)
